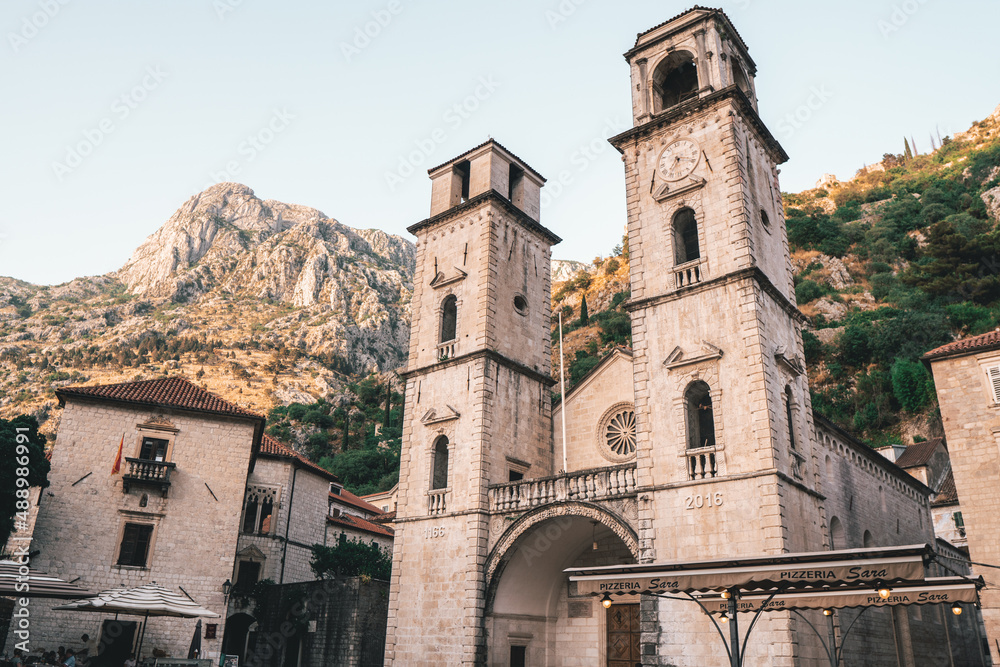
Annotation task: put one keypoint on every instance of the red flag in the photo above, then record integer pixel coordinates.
(118, 459)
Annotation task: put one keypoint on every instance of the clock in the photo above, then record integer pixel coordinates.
(678, 160)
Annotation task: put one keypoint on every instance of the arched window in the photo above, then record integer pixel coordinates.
(675, 80)
(790, 417)
(685, 237)
(439, 474)
(449, 318)
(837, 540)
(868, 540)
(740, 78)
(700, 418)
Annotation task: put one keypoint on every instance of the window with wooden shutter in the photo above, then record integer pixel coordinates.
(134, 548)
(993, 374)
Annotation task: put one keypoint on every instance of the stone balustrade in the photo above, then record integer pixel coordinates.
(437, 501)
(587, 485)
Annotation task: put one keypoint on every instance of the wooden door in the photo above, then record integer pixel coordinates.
(623, 635)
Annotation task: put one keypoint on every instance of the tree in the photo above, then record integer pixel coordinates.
(351, 558)
(22, 457)
(907, 153)
(584, 315)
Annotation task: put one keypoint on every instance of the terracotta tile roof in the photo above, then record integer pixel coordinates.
(981, 343)
(947, 494)
(349, 498)
(357, 523)
(173, 392)
(275, 449)
(918, 454)
(387, 517)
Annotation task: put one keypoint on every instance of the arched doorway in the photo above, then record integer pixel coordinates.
(532, 615)
(237, 633)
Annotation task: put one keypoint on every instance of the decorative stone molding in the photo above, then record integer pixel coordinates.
(439, 415)
(616, 433)
(676, 358)
(440, 280)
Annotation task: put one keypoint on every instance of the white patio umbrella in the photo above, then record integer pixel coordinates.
(147, 600)
(17, 580)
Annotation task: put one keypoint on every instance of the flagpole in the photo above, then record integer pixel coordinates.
(562, 392)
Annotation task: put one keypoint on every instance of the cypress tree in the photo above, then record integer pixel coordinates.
(584, 315)
(907, 154)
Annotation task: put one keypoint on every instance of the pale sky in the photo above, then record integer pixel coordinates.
(114, 113)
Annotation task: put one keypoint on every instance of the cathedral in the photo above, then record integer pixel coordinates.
(700, 442)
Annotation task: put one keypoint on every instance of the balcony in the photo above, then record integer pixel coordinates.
(146, 472)
(688, 274)
(436, 501)
(446, 350)
(585, 485)
(701, 463)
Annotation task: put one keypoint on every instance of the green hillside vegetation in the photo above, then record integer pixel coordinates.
(358, 439)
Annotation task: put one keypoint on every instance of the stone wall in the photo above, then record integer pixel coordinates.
(329, 622)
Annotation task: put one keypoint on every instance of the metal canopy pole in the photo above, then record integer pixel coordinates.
(734, 631)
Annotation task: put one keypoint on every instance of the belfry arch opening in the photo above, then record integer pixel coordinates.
(700, 416)
(449, 318)
(439, 472)
(529, 595)
(675, 80)
(685, 237)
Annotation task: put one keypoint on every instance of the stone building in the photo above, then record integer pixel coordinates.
(967, 378)
(170, 516)
(699, 443)
(355, 518)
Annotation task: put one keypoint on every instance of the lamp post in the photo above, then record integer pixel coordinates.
(227, 588)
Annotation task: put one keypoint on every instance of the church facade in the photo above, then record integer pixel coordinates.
(698, 443)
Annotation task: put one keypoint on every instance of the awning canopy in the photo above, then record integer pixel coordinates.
(849, 566)
(147, 600)
(17, 580)
(936, 590)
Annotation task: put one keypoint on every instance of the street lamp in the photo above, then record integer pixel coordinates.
(956, 609)
(724, 618)
(226, 587)
(828, 612)
(606, 601)
(883, 591)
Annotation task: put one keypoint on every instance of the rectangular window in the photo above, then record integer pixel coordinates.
(153, 449)
(518, 656)
(247, 577)
(994, 378)
(515, 475)
(134, 548)
(250, 517)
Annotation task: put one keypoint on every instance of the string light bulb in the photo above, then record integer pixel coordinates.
(956, 609)
(724, 618)
(883, 591)
(828, 612)
(726, 595)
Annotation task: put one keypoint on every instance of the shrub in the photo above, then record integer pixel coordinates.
(911, 384)
(351, 558)
(810, 290)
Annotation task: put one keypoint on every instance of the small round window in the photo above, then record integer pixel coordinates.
(521, 304)
(616, 433)
(764, 219)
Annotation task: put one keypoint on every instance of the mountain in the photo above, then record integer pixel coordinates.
(263, 302)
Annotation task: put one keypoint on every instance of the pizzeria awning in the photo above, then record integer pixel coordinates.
(933, 590)
(19, 580)
(848, 566)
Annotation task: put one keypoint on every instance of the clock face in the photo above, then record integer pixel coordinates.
(678, 160)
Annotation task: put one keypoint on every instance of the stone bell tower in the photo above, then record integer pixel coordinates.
(724, 432)
(478, 407)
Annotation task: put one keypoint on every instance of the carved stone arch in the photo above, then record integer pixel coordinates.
(523, 525)
(707, 372)
(669, 213)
